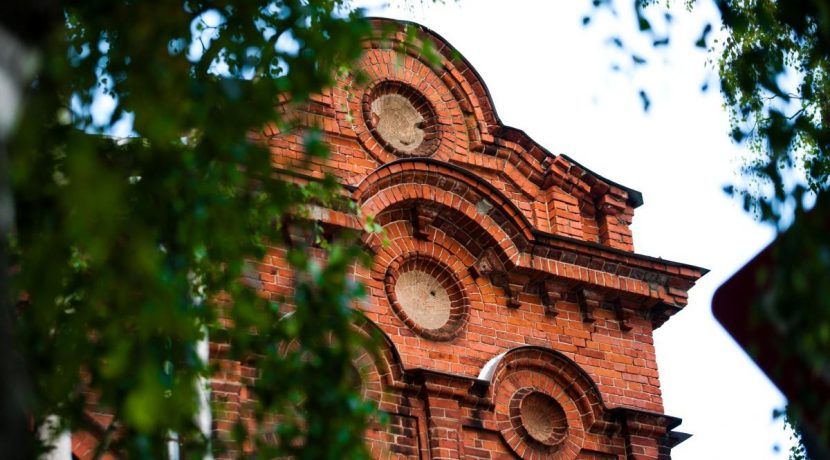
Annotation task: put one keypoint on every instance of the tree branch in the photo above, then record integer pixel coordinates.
(104, 445)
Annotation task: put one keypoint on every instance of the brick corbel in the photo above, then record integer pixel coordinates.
(624, 309)
(550, 292)
(488, 265)
(610, 205)
(500, 278)
(488, 262)
(421, 216)
(567, 176)
(661, 312)
(648, 435)
(589, 300)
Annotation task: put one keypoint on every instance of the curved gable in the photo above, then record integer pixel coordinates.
(402, 104)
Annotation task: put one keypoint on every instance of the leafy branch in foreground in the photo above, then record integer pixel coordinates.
(128, 252)
(775, 78)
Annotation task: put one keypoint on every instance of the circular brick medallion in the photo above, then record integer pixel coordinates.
(426, 296)
(401, 119)
(538, 417)
(536, 425)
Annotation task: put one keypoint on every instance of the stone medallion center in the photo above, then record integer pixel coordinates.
(423, 299)
(398, 122)
(543, 418)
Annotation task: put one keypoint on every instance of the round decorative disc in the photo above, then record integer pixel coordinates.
(398, 122)
(543, 418)
(426, 296)
(423, 299)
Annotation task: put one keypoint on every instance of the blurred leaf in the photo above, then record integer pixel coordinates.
(645, 100)
(701, 42)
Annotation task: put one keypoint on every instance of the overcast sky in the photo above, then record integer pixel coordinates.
(552, 78)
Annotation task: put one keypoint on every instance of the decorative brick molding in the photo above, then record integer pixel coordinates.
(409, 76)
(562, 430)
(648, 435)
(550, 291)
(422, 217)
(563, 374)
(449, 186)
(489, 265)
(589, 301)
(436, 192)
(545, 405)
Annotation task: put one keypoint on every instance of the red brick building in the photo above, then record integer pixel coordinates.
(518, 319)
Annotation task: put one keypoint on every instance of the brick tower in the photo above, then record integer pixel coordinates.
(518, 319)
(516, 315)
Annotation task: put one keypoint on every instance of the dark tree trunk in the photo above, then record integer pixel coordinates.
(23, 27)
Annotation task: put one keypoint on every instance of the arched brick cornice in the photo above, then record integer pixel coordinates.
(461, 222)
(452, 67)
(446, 186)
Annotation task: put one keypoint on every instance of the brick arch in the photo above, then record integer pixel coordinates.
(463, 91)
(381, 367)
(485, 127)
(573, 406)
(495, 236)
(450, 188)
(380, 364)
(469, 238)
(576, 383)
(397, 240)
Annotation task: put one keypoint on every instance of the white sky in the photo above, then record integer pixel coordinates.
(551, 77)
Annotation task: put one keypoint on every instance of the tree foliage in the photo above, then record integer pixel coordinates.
(797, 449)
(126, 253)
(775, 78)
